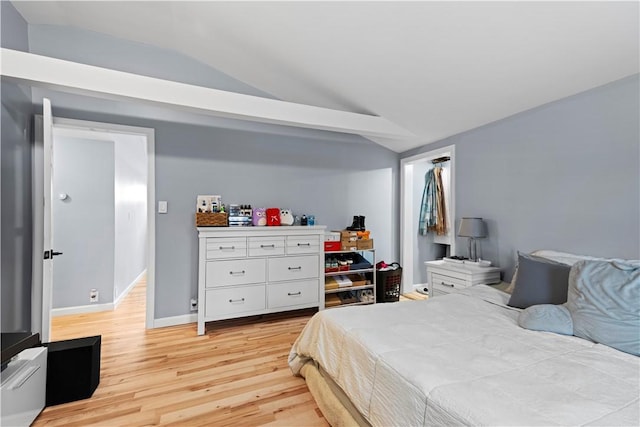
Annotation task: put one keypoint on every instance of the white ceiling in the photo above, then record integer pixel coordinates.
(433, 68)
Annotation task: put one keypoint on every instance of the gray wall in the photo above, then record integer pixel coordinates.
(105, 51)
(14, 31)
(306, 171)
(317, 177)
(101, 50)
(536, 177)
(130, 210)
(15, 182)
(83, 223)
(563, 176)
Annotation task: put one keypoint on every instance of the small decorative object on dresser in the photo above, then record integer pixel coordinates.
(273, 216)
(445, 278)
(259, 216)
(286, 218)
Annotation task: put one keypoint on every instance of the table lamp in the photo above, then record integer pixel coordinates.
(472, 228)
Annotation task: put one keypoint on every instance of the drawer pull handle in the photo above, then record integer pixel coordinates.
(447, 284)
(304, 244)
(294, 268)
(22, 378)
(294, 294)
(236, 272)
(236, 300)
(222, 248)
(268, 246)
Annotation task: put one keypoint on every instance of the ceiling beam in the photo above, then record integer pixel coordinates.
(67, 76)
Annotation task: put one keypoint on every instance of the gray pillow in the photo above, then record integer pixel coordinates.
(539, 281)
(547, 317)
(604, 301)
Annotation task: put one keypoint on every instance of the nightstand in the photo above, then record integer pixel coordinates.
(445, 277)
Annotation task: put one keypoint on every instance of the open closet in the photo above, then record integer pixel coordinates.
(428, 212)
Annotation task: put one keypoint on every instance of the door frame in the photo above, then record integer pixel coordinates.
(39, 305)
(407, 230)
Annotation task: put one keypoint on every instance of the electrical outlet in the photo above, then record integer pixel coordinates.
(93, 295)
(194, 304)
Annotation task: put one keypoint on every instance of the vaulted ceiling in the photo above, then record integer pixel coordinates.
(434, 68)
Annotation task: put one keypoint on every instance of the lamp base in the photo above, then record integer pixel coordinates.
(473, 250)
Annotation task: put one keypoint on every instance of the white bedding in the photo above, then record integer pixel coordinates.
(463, 359)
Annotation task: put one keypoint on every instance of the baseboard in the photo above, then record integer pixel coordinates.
(128, 289)
(175, 320)
(80, 309)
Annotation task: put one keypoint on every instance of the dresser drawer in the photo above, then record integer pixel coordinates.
(303, 244)
(293, 268)
(235, 272)
(226, 247)
(226, 302)
(263, 246)
(445, 282)
(292, 293)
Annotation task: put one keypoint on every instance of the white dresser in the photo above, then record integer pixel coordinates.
(444, 277)
(245, 271)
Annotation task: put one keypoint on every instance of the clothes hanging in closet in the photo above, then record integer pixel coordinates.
(433, 210)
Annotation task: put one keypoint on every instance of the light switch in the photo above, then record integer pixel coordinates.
(162, 206)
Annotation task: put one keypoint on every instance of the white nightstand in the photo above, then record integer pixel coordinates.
(444, 277)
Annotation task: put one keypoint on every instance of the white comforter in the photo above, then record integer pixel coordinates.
(463, 359)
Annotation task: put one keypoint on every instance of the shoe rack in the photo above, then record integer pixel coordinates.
(350, 278)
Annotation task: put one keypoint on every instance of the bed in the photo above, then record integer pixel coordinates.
(460, 359)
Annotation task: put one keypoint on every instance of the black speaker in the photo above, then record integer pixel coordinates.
(73, 369)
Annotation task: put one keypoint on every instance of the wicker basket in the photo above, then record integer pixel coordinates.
(388, 284)
(212, 219)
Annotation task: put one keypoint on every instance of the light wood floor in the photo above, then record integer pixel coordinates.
(235, 375)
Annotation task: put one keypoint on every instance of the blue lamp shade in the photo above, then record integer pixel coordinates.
(472, 227)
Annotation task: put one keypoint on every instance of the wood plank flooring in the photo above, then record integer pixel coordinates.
(235, 375)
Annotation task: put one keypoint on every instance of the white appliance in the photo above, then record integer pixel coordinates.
(24, 386)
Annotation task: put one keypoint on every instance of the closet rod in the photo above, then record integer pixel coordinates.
(441, 160)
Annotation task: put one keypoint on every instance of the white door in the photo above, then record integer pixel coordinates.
(49, 253)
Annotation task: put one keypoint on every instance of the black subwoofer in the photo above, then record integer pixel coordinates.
(73, 369)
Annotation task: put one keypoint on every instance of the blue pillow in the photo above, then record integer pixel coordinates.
(547, 317)
(604, 301)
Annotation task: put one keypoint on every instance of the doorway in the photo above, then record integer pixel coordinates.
(99, 218)
(414, 248)
(118, 274)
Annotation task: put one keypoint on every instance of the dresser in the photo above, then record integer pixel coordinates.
(445, 278)
(246, 271)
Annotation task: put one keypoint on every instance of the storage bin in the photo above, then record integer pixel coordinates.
(365, 244)
(331, 246)
(388, 284)
(73, 369)
(212, 219)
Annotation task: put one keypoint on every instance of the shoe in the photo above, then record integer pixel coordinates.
(361, 222)
(355, 226)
